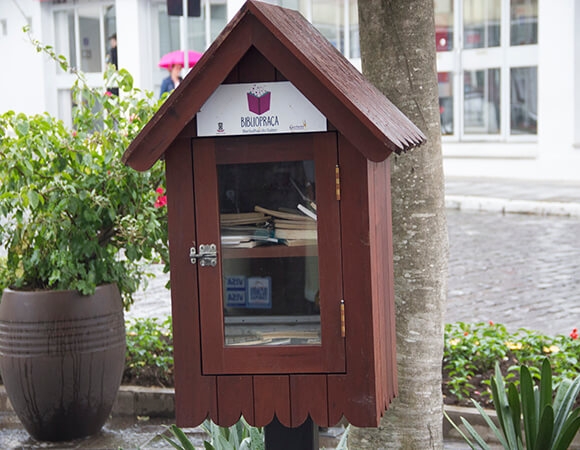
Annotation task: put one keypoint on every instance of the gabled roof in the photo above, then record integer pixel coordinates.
(296, 49)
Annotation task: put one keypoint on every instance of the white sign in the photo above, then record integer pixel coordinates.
(258, 108)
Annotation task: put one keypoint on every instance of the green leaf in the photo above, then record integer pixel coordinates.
(528, 407)
(568, 432)
(496, 431)
(546, 390)
(475, 435)
(502, 408)
(183, 439)
(545, 429)
(33, 198)
(564, 407)
(515, 408)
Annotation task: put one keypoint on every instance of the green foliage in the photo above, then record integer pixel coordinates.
(72, 215)
(472, 349)
(548, 424)
(149, 352)
(240, 436)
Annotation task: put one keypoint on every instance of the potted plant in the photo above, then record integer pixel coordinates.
(77, 228)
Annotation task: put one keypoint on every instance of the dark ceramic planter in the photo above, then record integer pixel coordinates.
(61, 359)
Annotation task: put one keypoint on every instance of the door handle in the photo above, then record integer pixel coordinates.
(207, 255)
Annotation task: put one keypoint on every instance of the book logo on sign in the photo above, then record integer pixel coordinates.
(259, 103)
(259, 100)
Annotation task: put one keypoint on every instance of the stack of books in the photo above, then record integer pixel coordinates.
(246, 230)
(293, 228)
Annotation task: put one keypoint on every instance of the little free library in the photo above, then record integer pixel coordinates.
(277, 162)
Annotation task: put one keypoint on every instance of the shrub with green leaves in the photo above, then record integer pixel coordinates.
(72, 215)
(149, 353)
(472, 349)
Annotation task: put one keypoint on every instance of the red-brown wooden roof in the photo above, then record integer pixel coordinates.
(293, 46)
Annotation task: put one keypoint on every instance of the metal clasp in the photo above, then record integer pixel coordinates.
(207, 255)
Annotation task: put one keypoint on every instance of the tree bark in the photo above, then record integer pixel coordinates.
(397, 39)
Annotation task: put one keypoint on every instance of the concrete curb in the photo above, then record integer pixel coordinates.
(505, 206)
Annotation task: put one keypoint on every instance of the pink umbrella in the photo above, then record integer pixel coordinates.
(176, 57)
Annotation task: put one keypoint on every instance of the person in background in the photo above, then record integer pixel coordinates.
(112, 56)
(112, 59)
(172, 81)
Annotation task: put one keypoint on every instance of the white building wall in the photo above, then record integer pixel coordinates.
(553, 156)
(22, 69)
(135, 40)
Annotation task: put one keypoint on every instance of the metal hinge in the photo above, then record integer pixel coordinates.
(337, 181)
(207, 255)
(342, 320)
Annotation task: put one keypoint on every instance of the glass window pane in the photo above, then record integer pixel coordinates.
(169, 31)
(481, 23)
(481, 101)
(65, 43)
(269, 259)
(524, 100)
(446, 101)
(327, 18)
(444, 25)
(354, 30)
(524, 22)
(219, 19)
(90, 39)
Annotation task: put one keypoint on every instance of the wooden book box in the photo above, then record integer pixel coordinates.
(275, 312)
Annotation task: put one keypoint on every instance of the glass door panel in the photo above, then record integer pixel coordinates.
(270, 288)
(271, 297)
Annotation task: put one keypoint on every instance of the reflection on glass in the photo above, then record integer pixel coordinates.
(445, 80)
(524, 22)
(269, 253)
(444, 25)
(524, 100)
(481, 101)
(481, 23)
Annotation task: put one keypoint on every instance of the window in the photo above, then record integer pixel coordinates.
(488, 83)
(337, 20)
(82, 33)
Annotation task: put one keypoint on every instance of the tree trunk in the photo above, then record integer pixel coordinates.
(397, 39)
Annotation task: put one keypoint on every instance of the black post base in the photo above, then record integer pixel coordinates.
(279, 437)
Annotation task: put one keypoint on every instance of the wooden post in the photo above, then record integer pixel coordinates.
(279, 437)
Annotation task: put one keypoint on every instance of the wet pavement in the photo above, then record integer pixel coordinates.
(522, 270)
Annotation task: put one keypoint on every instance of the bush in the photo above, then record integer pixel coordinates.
(149, 353)
(472, 350)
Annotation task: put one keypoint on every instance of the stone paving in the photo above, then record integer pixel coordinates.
(519, 270)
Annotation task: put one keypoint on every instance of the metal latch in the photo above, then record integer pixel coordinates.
(207, 255)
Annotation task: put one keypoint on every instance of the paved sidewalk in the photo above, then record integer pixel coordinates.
(513, 196)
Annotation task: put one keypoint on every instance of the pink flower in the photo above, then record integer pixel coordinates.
(74, 133)
(161, 201)
(108, 93)
(574, 333)
(491, 323)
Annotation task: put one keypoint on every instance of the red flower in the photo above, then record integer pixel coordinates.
(491, 323)
(465, 333)
(574, 334)
(161, 199)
